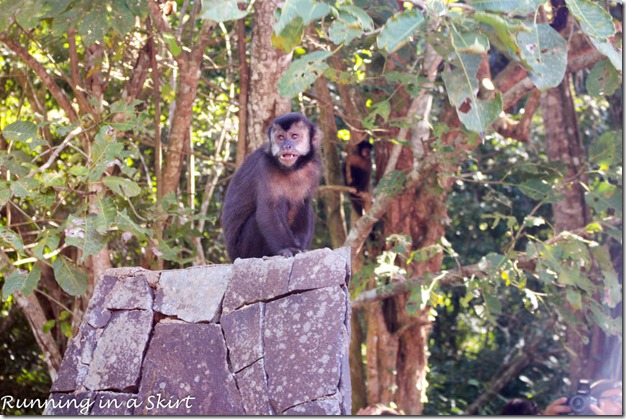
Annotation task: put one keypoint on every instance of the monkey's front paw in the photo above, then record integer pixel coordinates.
(289, 252)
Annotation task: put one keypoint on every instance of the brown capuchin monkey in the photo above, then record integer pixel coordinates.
(268, 206)
(357, 172)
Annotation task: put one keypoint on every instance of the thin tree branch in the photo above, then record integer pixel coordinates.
(55, 90)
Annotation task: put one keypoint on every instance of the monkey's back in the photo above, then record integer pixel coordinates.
(240, 200)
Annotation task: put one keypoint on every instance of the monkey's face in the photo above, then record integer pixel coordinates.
(287, 146)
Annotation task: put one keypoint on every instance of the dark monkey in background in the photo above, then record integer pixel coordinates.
(267, 210)
(357, 172)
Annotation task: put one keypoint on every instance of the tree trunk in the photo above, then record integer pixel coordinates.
(564, 144)
(335, 221)
(266, 66)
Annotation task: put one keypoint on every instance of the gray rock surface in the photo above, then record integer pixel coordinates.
(193, 294)
(259, 337)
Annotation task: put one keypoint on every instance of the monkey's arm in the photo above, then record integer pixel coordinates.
(273, 224)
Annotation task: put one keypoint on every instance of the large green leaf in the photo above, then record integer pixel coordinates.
(606, 150)
(5, 193)
(11, 238)
(23, 132)
(605, 196)
(94, 26)
(107, 212)
(21, 281)
(345, 29)
(70, 277)
(302, 73)
(603, 79)
(522, 7)
(608, 49)
(461, 85)
(25, 188)
(505, 31)
(290, 37)
(105, 151)
(126, 224)
(365, 20)
(308, 10)
(539, 190)
(544, 50)
(82, 233)
(46, 240)
(122, 19)
(222, 10)
(123, 187)
(399, 29)
(594, 20)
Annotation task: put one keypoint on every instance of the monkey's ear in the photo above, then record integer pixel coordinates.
(316, 136)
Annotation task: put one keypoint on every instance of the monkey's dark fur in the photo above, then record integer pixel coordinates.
(357, 172)
(268, 206)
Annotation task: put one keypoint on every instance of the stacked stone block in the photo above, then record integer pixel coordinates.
(258, 337)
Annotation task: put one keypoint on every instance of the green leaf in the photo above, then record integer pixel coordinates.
(602, 317)
(166, 252)
(138, 8)
(302, 73)
(344, 30)
(46, 239)
(31, 281)
(608, 49)
(519, 7)
(594, 20)
(127, 224)
(82, 233)
(47, 326)
(382, 109)
(25, 16)
(221, 10)
(70, 277)
(544, 50)
(13, 283)
(94, 26)
(24, 132)
(610, 282)
(603, 79)
(606, 150)
(574, 298)
(605, 196)
(365, 21)
(538, 189)
(5, 193)
(25, 187)
(492, 303)
(123, 187)
(172, 43)
(461, 85)
(470, 43)
(505, 30)
(51, 179)
(122, 19)
(105, 152)
(308, 10)
(106, 214)
(398, 30)
(290, 37)
(11, 238)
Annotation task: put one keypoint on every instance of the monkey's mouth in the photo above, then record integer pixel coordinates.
(288, 157)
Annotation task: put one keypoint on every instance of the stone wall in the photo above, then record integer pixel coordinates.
(256, 337)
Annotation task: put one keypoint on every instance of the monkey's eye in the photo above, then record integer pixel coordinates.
(294, 136)
(281, 137)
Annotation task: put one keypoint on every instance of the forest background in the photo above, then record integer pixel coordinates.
(488, 264)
